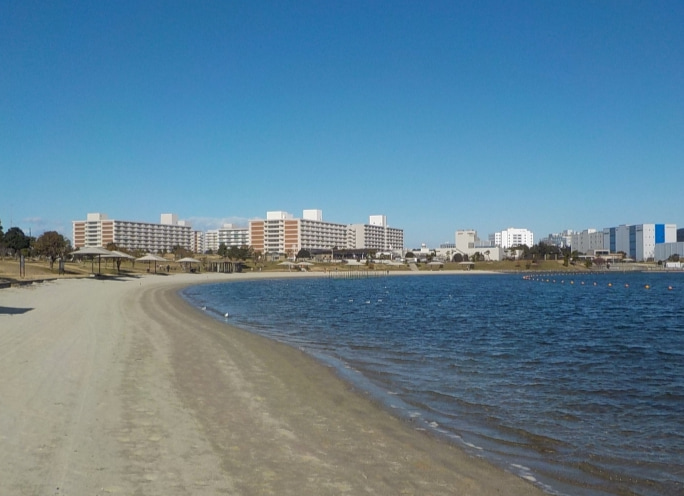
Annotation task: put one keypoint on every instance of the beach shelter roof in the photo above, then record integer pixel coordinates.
(119, 254)
(288, 263)
(304, 263)
(189, 261)
(92, 251)
(151, 258)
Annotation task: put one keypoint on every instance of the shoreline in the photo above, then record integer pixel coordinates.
(150, 394)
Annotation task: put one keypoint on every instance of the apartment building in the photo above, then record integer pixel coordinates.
(281, 232)
(228, 235)
(197, 242)
(638, 241)
(376, 235)
(211, 240)
(99, 230)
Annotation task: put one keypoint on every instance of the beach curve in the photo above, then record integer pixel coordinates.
(121, 387)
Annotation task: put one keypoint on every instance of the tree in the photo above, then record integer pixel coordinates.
(458, 258)
(52, 245)
(16, 240)
(181, 252)
(222, 250)
(233, 253)
(303, 254)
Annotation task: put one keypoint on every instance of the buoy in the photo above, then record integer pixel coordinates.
(647, 287)
(669, 288)
(226, 315)
(626, 285)
(610, 284)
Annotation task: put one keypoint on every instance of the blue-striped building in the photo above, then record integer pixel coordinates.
(638, 241)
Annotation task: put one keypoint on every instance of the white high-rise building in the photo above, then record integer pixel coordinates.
(231, 235)
(211, 240)
(511, 237)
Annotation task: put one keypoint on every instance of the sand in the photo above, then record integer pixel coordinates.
(119, 387)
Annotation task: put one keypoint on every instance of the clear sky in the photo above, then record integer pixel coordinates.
(440, 115)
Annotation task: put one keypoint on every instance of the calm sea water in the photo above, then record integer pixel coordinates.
(575, 382)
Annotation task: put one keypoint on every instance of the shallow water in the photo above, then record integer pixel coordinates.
(575, 382)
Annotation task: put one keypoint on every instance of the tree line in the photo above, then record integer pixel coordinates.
(50, 244)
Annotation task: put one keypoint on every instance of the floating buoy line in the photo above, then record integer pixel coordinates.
(561, 279)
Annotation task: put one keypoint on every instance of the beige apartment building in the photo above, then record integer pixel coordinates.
(99, 230)
(282, 233)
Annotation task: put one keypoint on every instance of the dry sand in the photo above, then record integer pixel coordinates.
(120, 387)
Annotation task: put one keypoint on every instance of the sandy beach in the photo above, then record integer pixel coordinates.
(118, 386)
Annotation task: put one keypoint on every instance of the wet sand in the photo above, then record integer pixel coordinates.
(120, 387)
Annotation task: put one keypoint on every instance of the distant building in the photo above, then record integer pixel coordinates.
(638, 241)
(282, 233)
(211, 240)
(511, 237)
(587, 241)
(99, 230)
(663, 251)
(561, 240)
(376, 235)
(467, 244)
(229, 235)
(680, 235)
(197, 242)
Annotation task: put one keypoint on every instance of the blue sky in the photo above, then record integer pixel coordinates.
(439, 115)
